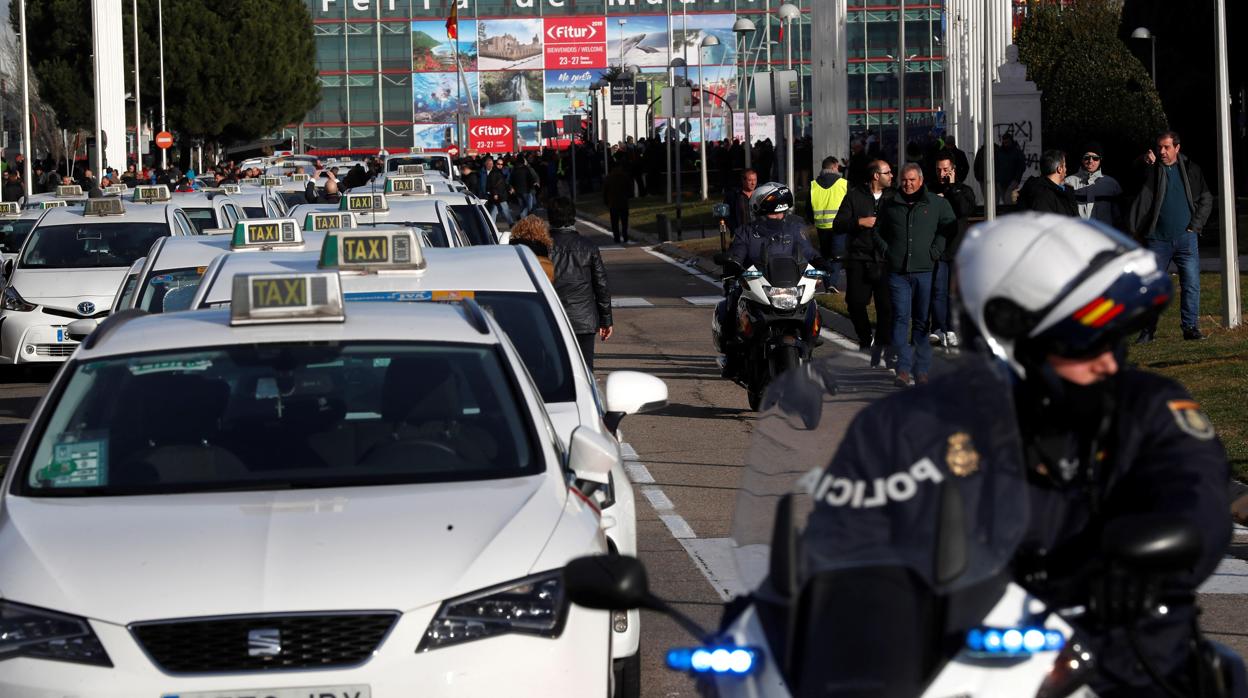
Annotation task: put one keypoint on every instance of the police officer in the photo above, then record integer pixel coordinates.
(827, 192)
(771, 233)
(1092, 445)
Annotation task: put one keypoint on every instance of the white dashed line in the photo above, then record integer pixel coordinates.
(657, 499)
(679, 528)
(1231, 577)
(594, 227)
(638, 473)
(715, 558)
(683, 267)
(702, 300)
(629, 302)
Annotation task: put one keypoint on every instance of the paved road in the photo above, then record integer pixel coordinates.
(688, 457)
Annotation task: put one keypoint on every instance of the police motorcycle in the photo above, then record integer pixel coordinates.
(776, 320)
(965, 621)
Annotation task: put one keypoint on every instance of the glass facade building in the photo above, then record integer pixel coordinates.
(388, 76)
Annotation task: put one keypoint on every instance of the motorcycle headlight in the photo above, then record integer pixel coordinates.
(13, 301)
(26, 631)
(534, 605)
(783, 297)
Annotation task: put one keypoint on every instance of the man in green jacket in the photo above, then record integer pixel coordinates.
(912, 231)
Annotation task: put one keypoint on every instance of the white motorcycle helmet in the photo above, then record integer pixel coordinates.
(771, 197)
(1037, 283)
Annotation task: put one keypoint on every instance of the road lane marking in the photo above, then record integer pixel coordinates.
(680, 530)
(1231, 577)
(702, 300)
(595, 227)
(630, 302)
(683, 267)
(715, 558)
(657, 499)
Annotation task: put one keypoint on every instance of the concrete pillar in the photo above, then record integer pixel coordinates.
(110, 85)
(830, 82)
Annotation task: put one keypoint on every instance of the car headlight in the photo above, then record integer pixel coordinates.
(534, 605)
(783, 297)
(13, 301)
(26, 631)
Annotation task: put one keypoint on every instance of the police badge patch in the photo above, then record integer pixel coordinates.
(961, 456)
(1190, 419)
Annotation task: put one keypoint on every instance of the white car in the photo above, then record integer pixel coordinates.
(259, 202)
(70, 268)
(429, 215)
(292, 498)
(15, 225)
(209, 210)
(520, 297)
(433, 161)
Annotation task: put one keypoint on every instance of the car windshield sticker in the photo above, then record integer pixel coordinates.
(143, 368)
(76, 464)
(402, 296)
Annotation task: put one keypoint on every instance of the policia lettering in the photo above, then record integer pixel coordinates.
(860, 494)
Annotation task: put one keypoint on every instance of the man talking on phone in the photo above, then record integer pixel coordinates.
(962, 199)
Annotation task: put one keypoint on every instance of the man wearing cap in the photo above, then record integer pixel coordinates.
(1096, 193)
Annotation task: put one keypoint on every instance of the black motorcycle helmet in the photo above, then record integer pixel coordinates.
(770, 198)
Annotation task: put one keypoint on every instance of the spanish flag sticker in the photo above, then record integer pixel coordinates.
(1190, 419)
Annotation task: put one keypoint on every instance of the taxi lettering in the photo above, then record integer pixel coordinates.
(403, 185)
(360, 201)
(365, 249)
(279, 293)
(862, 494)
(268, 232)
(326, 222)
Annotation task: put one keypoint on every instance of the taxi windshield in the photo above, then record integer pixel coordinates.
(169, 290)
(88, 245)
(13, 233)
(528, 321)
(433, 232)
(281, 416)
(201, 218)
(255, 212)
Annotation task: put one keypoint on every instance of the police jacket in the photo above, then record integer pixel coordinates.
(909, 457)
(859, 202)
(1147, 206)
(912, 231)
(766, 237)
(580, 281)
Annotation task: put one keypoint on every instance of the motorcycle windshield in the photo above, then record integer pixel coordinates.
(931, 480)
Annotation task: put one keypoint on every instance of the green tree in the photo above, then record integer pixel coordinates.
(1094, 89)
(234, 69)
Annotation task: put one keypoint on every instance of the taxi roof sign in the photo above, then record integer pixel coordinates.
(52, 204)
(276, 298)
(406, 186)
(270, 181)
(250, 180)
(231, 188)
(411, 169)
(364, 203)
(103, 207)
(329, 220)
(68, 190)
(300, 177)
(115, 189)
(266, 233)
(9, 208)
(372, 250)
(147, 193)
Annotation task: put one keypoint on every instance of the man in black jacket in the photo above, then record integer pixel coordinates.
(1048, 193)
(497, 192)
(1168, 216)
(580, 278)
(962, 200)
(524, 182)
(738, 201)
(865, 274)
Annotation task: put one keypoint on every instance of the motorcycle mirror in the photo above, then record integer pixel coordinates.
(1152, 543)
(607, 582)
(720, 258)
(719, 210)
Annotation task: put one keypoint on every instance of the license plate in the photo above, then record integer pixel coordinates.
(60, 335)
(308, 692)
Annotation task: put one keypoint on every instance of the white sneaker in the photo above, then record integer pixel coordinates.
(951, 340)
(936, 339)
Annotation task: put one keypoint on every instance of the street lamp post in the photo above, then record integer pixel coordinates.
(1144, 33)
(633, 72)
(138, 111)
(743, 28)
(710, 40)
(901, 83)
(788, 12)
(160, 25)
(1232, 313)
(678, 62)
(623, 21)
(26, 144)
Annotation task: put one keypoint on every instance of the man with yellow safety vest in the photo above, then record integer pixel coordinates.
(826, 194)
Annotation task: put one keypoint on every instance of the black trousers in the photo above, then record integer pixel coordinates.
(587, 347)
(619, 224)
(867, 281)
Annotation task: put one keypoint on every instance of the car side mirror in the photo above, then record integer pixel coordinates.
(632, 392)
(592, 455)
(8, 268)
(1158, 543)
(607, 582)
(78, 330)
(504, 238)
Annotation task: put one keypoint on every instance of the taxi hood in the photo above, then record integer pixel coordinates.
(128, 559)
(55, 286)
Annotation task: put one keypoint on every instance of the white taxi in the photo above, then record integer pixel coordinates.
(70, 268)
(403, 202)
(15, 225)
(209, 210)
(292, 498)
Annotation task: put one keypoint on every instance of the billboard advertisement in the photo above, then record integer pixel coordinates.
(509, 44)
(575, 42)
(492, 135)
(567, 92)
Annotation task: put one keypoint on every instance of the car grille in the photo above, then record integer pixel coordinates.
(60, 350)
(236, 643)
(74, 314)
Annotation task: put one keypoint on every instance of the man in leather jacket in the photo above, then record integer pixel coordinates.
(580, 278)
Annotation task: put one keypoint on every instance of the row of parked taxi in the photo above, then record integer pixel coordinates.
(344, 451)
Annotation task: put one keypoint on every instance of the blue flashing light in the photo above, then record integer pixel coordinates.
(719, 661)
(1013, 642)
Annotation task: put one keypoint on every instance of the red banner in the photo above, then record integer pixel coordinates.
(492, 135)
(576, 42)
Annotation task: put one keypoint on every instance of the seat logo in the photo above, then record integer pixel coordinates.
(264, 642)
(86, 308)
